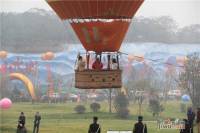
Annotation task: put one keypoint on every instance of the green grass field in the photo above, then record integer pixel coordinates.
(61, 118)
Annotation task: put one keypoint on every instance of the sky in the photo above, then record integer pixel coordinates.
(184, 12)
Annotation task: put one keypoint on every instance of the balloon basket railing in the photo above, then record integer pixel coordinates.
(92, 79)
(105, 78)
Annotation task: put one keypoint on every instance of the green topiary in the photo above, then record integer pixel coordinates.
(80, 109)
(95, 107)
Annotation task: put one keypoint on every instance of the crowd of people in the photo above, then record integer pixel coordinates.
(22, 121)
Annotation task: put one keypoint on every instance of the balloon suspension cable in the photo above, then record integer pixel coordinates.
(152, 60)
(77, 59)
(92, 52)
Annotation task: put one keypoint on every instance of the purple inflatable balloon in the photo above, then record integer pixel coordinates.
(5, 103)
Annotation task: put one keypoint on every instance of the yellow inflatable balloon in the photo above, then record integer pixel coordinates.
(26, 81)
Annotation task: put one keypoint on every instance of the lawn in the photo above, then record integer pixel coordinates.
(61, 118)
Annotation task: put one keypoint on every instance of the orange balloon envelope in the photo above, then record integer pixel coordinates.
(107, 9)
(47, 56)
(101, 36)
(3, 54)
(101, 25)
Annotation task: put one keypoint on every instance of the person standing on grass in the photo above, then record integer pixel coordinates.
(187, 127)
(191, 117)
(36, 122)
(139, 127)
(198, 119)
(21, 124)
(94, 127)
(22, 119)
(21, 129)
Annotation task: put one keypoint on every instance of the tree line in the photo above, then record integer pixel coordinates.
(29, 30)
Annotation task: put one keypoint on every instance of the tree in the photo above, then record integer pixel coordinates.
(190, 78)
(95, 107)
(121, 105)
(80, 109)
(189, 34)
(155, 106)
(22, 36)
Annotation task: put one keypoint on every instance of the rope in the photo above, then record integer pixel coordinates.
(152, 60)
(157, 60)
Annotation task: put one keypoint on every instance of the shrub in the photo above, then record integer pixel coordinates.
(95, 107)
(123, 113)
(183, 108)
(121, 105)
(80, 109)
(155, 107)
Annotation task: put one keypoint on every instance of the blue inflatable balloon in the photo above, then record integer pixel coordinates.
(185, 98)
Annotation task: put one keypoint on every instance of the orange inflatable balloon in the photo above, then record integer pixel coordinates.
(47, 56)
(3, 54)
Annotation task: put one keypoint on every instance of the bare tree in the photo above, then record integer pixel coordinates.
(190, 78)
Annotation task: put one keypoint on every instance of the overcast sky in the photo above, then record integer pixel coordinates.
(184, 12)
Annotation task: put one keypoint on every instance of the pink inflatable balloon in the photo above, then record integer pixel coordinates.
(5, 103)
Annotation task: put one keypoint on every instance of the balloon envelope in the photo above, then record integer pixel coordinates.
(3, 54)
(185, 98)
(100, 25)
(95, 9)
(101, 36)
(5, 103)
(48, 56)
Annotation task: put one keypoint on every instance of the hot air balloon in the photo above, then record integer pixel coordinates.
(101, 26)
